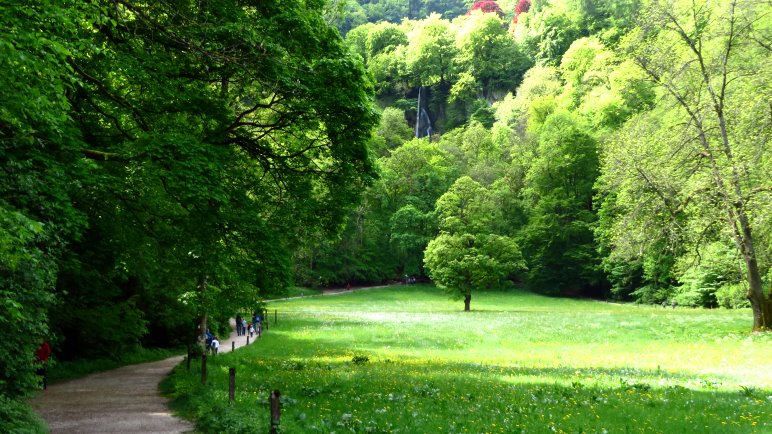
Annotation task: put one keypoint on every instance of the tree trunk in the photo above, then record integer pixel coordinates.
(202, 321)
(762, 310)
(467, 302)
(761, 305)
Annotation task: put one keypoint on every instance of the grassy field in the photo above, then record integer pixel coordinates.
(408, 360)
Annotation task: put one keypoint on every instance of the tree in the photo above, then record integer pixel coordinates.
(448, 8)
(411, 231)
(489, 53)
(466, 255)
(431, 53)
(546, 32)
(558, 239)
(713, 67)
(177, 150)
(40, 171)
(393, 129)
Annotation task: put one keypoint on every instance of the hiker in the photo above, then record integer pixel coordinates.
(43, 353)
(239, 329)
(243, 327)
(215, 346)
(259, 327)
(251, 330)
(209, 337)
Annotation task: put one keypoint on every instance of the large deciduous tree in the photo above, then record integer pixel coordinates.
(709, 170)
(178, 149)
(489, 53)
(39, 171)
(467, 255)
(431, 55)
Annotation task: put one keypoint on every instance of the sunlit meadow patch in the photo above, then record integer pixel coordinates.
(407, 360)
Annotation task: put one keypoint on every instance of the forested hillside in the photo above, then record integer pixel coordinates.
(622, 147)
(163, 164)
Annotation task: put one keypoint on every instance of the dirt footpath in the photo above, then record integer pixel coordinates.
(124, 400)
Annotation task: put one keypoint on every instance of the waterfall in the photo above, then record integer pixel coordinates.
(418, 115)
(427, 123)
(423, 123)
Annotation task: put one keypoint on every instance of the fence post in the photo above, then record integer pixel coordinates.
(233, 345)
(231, 385)
(188, 358)
(275, 412)
(275, 316)
(247, 339)
(203, 368)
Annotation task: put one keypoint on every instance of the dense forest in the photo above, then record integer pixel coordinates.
(618, 149)
(167, 163)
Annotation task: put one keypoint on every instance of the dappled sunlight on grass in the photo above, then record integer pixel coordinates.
(403, 361)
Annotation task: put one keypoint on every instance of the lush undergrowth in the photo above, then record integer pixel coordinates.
(18, 417)
(67, 370)
(407, 360)
(296, 291)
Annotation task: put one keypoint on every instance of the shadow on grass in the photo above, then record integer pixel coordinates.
(395, 396)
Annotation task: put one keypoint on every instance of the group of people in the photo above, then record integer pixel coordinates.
(252, 328)
(242, 329)
(212, 342)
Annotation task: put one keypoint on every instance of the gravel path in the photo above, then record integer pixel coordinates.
(124, 400)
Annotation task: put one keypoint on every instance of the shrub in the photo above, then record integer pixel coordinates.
(732, 296)
(19, 418)
(360, 359)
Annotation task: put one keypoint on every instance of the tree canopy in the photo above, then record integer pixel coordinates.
(160, 161)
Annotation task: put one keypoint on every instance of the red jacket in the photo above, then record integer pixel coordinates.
(44, 352)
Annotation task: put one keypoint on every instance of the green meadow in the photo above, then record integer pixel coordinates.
(405, 359)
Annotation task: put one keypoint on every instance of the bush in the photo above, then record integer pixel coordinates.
(733, 296)
(701, 277)
(652, 294)
(19, 418)
(695, 297)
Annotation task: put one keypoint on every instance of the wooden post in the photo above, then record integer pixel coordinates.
(232, 385)
(233, 345)
(203, 368)
(188, 358)
(275, 412)
(275, 316)
(247, 339)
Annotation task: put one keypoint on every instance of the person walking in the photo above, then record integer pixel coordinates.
(43, 353)
(239, 330)
(215, 345)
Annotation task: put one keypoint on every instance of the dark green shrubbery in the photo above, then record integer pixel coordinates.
(17, 417)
